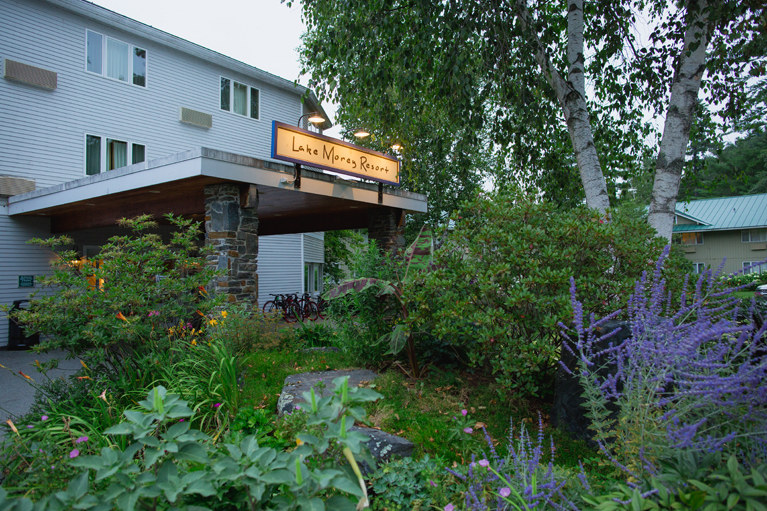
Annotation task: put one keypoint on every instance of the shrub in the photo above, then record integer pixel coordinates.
(362, 319)
(170, 465)
(689, 376)
(406, 484)
(501, 278)
(106, 310)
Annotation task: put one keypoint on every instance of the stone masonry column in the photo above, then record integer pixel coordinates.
(231, 228)
(387, 227)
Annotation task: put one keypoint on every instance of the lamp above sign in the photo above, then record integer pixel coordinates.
(300, 146)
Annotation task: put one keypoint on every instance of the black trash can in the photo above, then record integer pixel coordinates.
(17, 339)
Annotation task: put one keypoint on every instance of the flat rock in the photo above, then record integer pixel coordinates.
(383, 446)
(296, 384)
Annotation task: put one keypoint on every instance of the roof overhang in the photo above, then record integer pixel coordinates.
(175, 184)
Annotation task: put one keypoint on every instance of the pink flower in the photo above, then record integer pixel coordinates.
(74, 453)
(44, 418)
(216, 405)
(433, 483)
(154, 313)
(81, 439)
(483, 463)
(468, 430)
(449, 507)
(464, 412)
(505, 492)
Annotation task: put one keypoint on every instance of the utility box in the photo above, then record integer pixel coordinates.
(17, 339)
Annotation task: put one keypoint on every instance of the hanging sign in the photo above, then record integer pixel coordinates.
(293, 144)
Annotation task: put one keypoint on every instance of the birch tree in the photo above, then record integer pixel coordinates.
(517, 77)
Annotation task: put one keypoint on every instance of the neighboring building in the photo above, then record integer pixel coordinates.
(733, 229)
(103, 117)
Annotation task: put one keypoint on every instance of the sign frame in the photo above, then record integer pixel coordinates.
(26, 281)
(287, 127)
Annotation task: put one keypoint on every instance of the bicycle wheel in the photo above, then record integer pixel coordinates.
(270, 307)
(311, 312)
(322, 306)
(292, 313)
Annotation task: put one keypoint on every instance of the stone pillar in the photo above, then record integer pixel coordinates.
(231, 228)
(387, 227)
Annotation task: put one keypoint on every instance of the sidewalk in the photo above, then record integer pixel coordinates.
(16, 393)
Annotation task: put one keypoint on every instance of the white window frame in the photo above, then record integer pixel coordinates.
(314, 274)
(131, 51)
(746, 235)
(248, 100)
(699, 268)
(103, 152)
(760, 268)
(698, 235)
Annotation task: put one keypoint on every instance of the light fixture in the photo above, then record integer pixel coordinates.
(361, 133)
(312, 117)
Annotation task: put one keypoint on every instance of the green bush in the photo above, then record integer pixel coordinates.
(108, 309)
(708, 484)
(501, 278)
(170, 465)
(362, 319)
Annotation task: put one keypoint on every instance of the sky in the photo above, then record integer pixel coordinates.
(262, 33)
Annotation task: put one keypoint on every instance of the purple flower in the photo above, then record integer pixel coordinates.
(449, 507)
(464, 412)
(483, 463)
(154, 313)
(505, 492)
(74, 453)
(468, 430)
(30, 426)
(432, 483)
(216, 405)
(44, 418)
(81, 439)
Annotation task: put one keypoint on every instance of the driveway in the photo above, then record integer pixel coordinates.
(16, 392)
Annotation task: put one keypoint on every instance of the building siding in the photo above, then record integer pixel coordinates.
(42, 132)
(314, 247)
(725, 246)
(280, 266)
(19, 258)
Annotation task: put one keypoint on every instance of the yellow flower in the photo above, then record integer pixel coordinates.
(213, 322)
(224, 314)
(83, 364)
(194, 342)
(299, 442)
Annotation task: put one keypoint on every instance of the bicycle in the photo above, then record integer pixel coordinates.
(287, 305)
(309, 309)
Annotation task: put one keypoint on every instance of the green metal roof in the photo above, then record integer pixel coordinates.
(724, 213)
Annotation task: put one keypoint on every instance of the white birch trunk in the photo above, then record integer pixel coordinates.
(572, 97)
(676, 131)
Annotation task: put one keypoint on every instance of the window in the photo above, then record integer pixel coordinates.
(699, 267)
(313, 277)
(115, 59)
(753, 235)
(692, 238)
(116, 154)
(754, 267)
(239, 98)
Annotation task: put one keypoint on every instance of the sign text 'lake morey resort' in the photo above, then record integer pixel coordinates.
(293, 144)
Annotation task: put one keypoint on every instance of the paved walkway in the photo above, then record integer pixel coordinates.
(16, 393)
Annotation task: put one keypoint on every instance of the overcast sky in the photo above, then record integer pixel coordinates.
(263, 33)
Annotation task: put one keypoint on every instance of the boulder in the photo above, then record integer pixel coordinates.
(296, 384)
